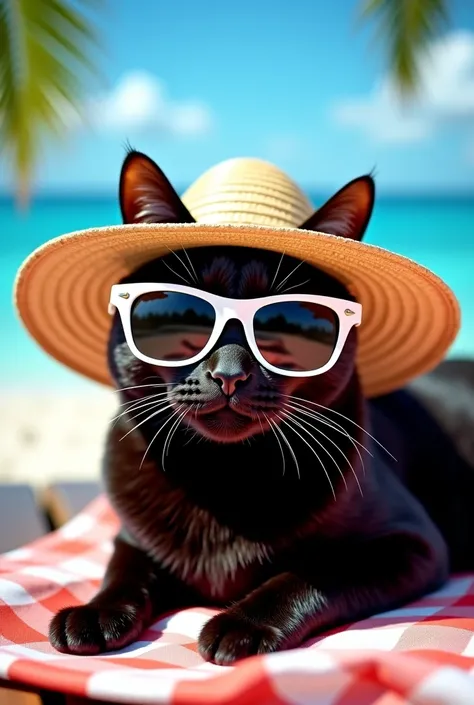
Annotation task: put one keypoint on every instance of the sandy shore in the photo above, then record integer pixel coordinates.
(53, 436)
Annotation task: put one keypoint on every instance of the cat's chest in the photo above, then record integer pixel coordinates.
(206, 553)
(217, 562)
(212, 558)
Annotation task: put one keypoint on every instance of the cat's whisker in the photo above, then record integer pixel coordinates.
(145, 405)
(174, 413)
(189, 420)
(326, 421)
(169, 437)
(295, 419)
(289, 275)
(286, 421)
(186, 281)
(145, 398)
(196, 278)
(134, 403)
(172, 430)
(297, 413)
(148, 418)
(191, 439)
(285, 439)
(320, 418)
(334, 426)
(183, 263)
(156, 406)
(295, 286)
(326, 408)
(277, 270)
(142, 386)
(281, 432)
(278, 440)
(152, 377)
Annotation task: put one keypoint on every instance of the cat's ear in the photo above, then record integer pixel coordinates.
(146, 195)
(348, 212)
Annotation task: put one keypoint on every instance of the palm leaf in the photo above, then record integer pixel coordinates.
(44, 67)
(406, 27)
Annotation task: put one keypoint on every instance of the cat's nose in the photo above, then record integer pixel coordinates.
(228, 382)
(230, 367)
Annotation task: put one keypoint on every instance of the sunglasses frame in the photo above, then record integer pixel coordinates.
(123, 296)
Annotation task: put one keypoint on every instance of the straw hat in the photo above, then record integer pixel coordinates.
(410, 316)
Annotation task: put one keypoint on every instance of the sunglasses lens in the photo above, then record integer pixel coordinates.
(168, 325)
(295, 335)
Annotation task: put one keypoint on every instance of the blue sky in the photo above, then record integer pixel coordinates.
(298, 83)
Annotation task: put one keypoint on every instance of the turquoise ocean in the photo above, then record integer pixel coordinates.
(436, 232)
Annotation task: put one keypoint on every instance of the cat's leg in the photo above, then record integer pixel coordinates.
(133, 591)
(291, 606)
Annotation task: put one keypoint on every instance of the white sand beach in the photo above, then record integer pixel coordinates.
(47, 437)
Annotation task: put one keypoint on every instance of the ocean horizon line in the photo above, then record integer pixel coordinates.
(75, 196)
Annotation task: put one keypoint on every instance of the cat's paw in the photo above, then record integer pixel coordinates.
(94, 629)
(231, 636)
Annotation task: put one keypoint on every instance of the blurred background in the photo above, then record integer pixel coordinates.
(326, 91)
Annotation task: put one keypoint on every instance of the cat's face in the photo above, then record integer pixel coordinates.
(229, 396)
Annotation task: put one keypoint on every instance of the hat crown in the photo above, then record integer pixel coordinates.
(247, 191)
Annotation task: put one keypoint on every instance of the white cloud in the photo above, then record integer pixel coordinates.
(191, 118)
(446, 95)
(383, 118)
(139, 102)
(283, 147)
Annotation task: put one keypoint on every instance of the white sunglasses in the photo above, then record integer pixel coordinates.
(170, 325)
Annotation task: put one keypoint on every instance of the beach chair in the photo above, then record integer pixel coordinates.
(21, 519)
(63, 500)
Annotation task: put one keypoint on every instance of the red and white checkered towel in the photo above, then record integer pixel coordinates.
(422, 654)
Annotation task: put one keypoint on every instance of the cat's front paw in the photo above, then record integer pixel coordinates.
(231, 636)
(93, 629)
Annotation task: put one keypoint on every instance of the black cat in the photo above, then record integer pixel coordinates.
(263, 493)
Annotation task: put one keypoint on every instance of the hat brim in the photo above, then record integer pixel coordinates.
(410, 317)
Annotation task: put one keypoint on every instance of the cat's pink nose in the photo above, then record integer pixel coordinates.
(229, 366)
(228, 381)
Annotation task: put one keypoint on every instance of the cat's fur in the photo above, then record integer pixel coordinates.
(222, 519)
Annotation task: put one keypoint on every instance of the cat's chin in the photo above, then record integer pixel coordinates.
(226, 426)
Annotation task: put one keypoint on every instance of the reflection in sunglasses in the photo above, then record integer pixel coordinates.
(290, 334)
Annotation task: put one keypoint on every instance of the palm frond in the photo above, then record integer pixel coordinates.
(406, 27)
(44, 67)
